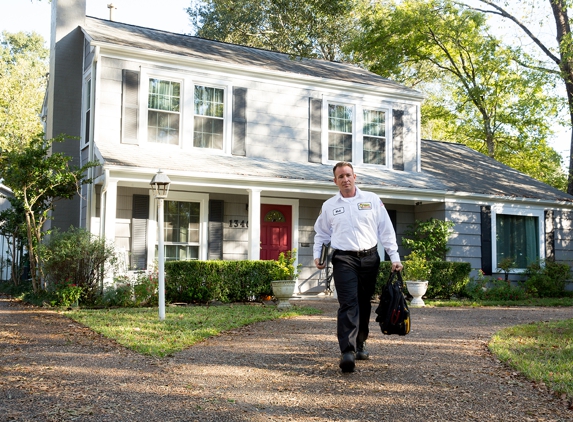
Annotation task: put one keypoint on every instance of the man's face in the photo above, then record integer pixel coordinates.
(344, 178)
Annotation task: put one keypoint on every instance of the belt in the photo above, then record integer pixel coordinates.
(358, 254)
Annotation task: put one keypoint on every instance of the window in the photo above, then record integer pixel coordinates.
(340, 132)
(517, 237)
(374, 137)
(163, 113)
(87, 111)
(208, 119)
(182, 222)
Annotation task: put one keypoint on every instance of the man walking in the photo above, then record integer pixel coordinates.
(354, 222)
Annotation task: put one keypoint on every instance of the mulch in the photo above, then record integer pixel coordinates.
(54, 369)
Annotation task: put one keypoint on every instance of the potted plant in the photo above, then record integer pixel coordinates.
(416, 274)
(284, 278)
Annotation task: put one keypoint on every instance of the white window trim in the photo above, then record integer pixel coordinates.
(516, 210)
(203, 200)
(87, 77)
(358, 108)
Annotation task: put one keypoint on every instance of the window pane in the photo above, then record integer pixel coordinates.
(374, 151)
(209, 101)
(517, 237)
(374, 123)
(339, 118)
(163, 114)
(339, 147)
(208, 133)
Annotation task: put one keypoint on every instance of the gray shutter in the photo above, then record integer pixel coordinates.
(486, 258)
(398, 139)
(130, 107)
(314, 130)
(239, 121)
(140, 215)
(549, 236)
(216, 208)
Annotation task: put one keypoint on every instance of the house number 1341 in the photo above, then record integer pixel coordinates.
(235, 223)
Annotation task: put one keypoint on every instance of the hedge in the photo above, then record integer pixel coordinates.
(224, 281)
(447, 279)
(241, 281)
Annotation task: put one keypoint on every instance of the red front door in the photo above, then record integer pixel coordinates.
(276, 228)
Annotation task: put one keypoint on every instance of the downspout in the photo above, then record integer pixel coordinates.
(91, 211)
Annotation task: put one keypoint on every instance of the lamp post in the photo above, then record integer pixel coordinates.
(160, 185)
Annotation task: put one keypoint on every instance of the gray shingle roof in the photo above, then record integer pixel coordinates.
(116, 33)
(446, 167)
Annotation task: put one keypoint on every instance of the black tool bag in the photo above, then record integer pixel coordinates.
(393, 313)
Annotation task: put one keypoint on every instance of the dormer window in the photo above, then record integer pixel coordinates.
(357, 134)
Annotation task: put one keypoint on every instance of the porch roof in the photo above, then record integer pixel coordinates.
(446, 167)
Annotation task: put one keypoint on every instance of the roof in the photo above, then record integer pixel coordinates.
(446, 167)
(120, 34)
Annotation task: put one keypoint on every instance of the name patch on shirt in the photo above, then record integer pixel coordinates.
(362, 206)
(337, 211)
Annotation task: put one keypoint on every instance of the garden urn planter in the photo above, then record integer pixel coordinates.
(283, 291)
(417, 289)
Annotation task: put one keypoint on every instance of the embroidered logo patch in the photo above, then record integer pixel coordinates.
(364, 206)
(337, 211)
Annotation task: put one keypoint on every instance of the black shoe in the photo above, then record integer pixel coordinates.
(347, 362)
(361, 353)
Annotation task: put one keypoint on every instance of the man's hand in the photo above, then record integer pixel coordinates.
(396, 266)
(317, 264)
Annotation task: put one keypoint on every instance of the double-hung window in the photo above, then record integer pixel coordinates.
(182, 222)
(87, 110)
(374, 137)
(208, 121)
(357, 134)
(163, 111)
(518, 236)
(340, 119)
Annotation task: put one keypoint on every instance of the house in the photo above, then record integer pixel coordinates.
(248, 138)
(5, 246)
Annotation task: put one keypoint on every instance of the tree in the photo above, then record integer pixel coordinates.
(560, 55)
(38, 179)
(479, 95)
(301, 28)
(23, 77)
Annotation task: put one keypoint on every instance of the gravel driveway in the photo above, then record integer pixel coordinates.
(53, 369)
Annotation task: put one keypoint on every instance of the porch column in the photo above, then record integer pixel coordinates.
(254, 247)
(110, 210)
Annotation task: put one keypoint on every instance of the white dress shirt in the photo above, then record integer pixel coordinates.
(355, 224)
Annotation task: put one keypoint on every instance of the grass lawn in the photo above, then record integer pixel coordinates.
(542, 351)
(140, 329)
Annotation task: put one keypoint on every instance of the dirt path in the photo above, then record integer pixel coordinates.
(52, 369)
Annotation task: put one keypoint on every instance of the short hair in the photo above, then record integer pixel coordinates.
(341, 164)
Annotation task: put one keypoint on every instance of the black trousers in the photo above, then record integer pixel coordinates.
(355, 281)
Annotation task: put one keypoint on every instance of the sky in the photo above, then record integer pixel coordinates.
(168, 15)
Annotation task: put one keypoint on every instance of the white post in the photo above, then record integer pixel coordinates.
(160, 262)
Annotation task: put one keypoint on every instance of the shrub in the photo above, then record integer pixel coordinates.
(145, 286)
(428, 238)
(546, 279)
(76, 257)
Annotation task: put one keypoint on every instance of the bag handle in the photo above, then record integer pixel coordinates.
(399, 275)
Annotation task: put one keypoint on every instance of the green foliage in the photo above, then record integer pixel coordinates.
(478, 93)
(506, 265)
(38, 179)
(285, 269)
(120, 294)
(145, 287)
(67, 294)
(546, 279)
(446, 278)
(23, 80)
(301, 28)
(429, 239)
(77, 257)
(416, 268)
(225, 281)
